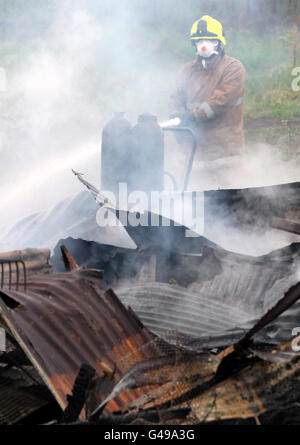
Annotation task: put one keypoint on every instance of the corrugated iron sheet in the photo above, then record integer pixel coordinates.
(64, 320)
(164, 307)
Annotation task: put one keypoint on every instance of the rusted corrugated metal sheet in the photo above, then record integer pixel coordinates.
(64, 320)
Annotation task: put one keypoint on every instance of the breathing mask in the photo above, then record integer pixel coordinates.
(206, 48)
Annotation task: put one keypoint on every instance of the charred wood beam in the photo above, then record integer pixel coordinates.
(234, 359)
(286, 224)
(177, 375)
(78, 397)
(290, 297)
(260, 387)
(254, 391)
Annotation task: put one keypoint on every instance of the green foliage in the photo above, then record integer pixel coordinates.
(268, 60)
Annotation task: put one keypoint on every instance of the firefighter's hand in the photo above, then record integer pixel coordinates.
(186, 118)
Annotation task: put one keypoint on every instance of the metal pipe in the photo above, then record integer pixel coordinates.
(11, 271)
(10, 274)
(18, 275)
(192, 156)
(24, 273)
(172, 179)
(2, 275)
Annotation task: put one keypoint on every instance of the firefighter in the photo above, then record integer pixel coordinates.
(209, 93)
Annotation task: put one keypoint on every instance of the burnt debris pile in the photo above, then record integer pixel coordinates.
(190, 334)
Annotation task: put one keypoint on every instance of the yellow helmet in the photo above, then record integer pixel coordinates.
(207, 28)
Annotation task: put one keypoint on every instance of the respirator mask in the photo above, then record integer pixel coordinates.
(206, 48)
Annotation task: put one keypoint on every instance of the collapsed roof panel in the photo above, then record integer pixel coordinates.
(241, 220)
(164, 307)
(74, 216)
(62, 321)
(190, 292)
(213, 295)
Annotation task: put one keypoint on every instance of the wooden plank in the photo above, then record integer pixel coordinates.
(286, 224)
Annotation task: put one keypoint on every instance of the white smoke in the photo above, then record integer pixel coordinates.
(90, 62)
(94, 59)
